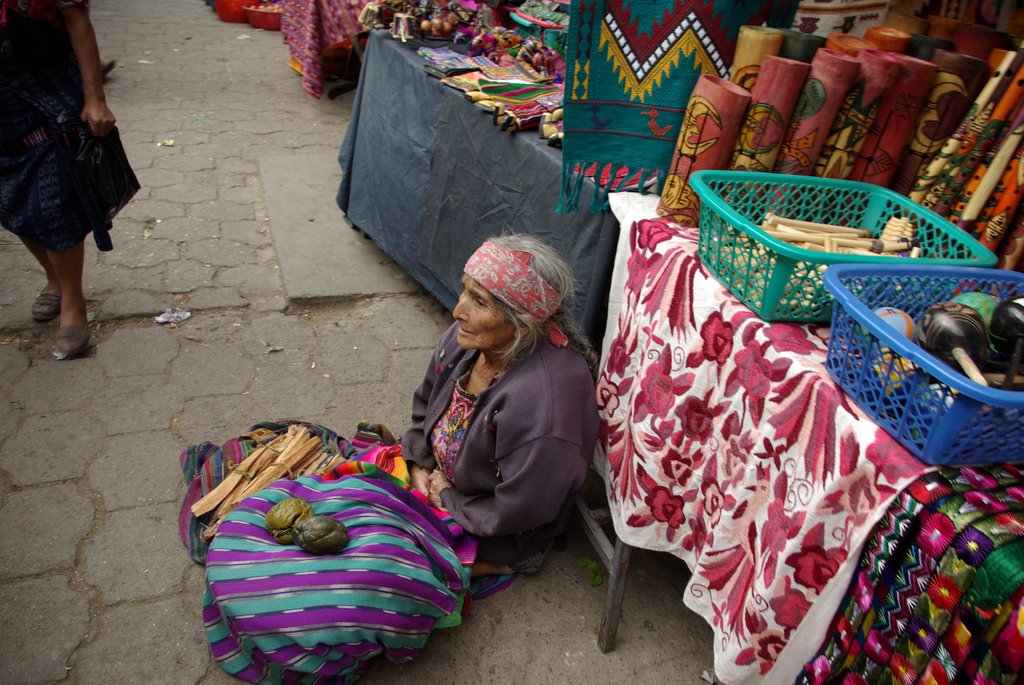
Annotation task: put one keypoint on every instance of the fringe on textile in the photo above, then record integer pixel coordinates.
(622, 177)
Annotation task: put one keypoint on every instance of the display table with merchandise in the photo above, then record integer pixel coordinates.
(728, 445)
(428, 176)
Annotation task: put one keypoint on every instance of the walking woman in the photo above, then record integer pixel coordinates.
(51, 90)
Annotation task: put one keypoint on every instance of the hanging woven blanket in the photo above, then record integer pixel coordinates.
(630, 67)
(939, 593)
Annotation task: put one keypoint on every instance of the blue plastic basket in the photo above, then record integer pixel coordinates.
(782, 282)
(937, 413)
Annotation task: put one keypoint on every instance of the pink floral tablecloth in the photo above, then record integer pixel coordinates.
(728, 445)
(309, 26)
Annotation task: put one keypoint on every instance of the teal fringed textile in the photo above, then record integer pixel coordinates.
(630, 67)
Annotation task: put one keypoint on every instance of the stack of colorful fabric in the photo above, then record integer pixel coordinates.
(938, 596)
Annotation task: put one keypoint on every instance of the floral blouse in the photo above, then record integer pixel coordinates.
(446, 438)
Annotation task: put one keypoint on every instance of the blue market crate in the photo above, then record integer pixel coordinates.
(782, 282)
(934, 411)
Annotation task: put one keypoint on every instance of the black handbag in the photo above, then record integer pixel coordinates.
(106, 181)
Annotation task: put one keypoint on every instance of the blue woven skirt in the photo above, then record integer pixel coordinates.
(39, 129)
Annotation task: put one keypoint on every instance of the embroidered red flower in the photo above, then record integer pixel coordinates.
(814, 566)
(791, 338)
(660, 387)
(943, 592)
(790, 607)
(649, 233)
(618, 357)
(936, 533)
(902, 670)
(769, 646)
(696, 417)
(713, 501)
(716, 334)
(665, 506)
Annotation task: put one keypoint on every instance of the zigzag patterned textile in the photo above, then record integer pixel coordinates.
(938, 596)
(630, 68)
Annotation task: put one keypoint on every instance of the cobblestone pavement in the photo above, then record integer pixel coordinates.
(96, 586)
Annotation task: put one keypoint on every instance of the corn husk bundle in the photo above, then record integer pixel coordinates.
(291, 455)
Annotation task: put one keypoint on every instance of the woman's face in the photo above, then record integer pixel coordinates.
(482, 326)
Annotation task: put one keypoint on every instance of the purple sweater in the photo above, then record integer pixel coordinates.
(525, 453)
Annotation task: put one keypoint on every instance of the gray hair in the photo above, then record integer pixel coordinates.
(550, 266)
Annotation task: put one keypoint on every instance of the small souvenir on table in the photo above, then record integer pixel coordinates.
(898, 319)
(1006, 333)
(955, 334)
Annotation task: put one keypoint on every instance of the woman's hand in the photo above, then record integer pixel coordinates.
(98, 117)
(420, 479)
(438, 482)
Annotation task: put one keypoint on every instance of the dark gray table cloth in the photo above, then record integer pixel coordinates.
(428, 177)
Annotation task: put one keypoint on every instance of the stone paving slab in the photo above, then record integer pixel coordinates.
(320, 254)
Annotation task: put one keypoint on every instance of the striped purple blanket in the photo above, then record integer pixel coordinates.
(276, 614)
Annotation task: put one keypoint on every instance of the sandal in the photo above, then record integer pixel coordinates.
(71, 341)
(46, 307)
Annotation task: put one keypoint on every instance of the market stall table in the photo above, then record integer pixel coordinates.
(427, 176)
(729, 446)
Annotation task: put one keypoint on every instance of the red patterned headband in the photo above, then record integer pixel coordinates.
(507, 275)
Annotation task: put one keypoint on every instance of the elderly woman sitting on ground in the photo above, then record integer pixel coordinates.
(504, 423)
(503, 427)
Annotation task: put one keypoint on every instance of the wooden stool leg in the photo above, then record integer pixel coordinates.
(613, 602)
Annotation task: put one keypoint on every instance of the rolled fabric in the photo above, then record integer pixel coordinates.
(957, 83)
(771, 106)
(706, 140)
(997, 84)
(752, 45)
(981, 128)
(799, 45)
(886, 143)
(942, 27)
(878, 70)
(978, 41)
(844, 42)
(905, 22)
(888, 38)
(923, 46)
(831, 75)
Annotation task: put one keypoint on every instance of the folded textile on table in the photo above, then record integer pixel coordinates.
(729, 446)
(938, 596)
(630, 68)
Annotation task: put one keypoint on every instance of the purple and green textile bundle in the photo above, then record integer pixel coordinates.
(275, 613)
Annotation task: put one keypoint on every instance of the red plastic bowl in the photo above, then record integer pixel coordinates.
(231, 10)
(266, 18)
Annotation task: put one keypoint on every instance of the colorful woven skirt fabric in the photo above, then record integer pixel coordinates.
(630, 69)
(938, 596)
(275, 613)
